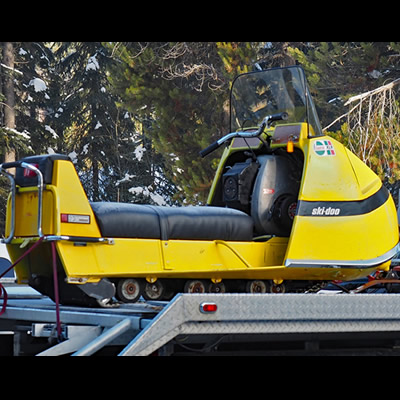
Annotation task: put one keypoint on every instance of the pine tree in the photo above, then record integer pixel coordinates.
(30, 77)
(104, 140)
(9, 97)
(35, 61)
(24, 103)
(182, 89)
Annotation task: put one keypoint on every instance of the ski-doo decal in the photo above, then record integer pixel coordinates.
(343, 208)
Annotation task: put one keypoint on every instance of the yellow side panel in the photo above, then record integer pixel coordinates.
(79, 260)
(72, 199)
(39, 261)
(65, 196)
(338, 175)
(367, 180)
(275, 251)
(350, 238)
(222, 259)
(329, 177)
(175, 258)
(127, 257)
(181, 255)
(22, 268)
(26, 221)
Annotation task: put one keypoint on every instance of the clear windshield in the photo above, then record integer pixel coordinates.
(257, 94)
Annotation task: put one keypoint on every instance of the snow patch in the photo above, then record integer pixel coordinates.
(92, 64)
(73, 156)
(375, 74)
(158, 199)
(25, 134)
(85, 149)
(139, 152)
(139, 190)
(59, 111)
(38, 84)
(126, 178)
(52, 131)
(11, 69)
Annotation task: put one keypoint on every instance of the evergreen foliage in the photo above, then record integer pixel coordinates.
(133, 116)
(181, 90)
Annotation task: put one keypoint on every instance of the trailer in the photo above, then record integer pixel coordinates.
(327, 323)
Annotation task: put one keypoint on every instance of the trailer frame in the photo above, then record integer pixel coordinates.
(200, 323)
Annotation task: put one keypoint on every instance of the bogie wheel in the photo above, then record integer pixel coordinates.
(195, 286)
(256, 286)
(217, 287)
(154, 291)
(277, 288)
(129, 290)
(171, 287)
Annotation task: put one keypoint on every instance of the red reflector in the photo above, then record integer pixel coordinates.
(75, 218)
(28, 173)
(208, 307)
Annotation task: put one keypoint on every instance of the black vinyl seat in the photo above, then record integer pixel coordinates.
(122, 220)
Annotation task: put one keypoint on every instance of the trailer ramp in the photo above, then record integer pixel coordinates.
(256, 314)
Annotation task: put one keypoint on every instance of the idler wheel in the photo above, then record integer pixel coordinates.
(256, 286)
(277, 288)
(154, 291)
(216, 287)
(195, 286)
(129, 290)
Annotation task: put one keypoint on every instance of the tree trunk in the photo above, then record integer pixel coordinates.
(95, 180)
(8, 88)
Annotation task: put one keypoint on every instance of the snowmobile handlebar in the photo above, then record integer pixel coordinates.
(209, 149)
(267, 121)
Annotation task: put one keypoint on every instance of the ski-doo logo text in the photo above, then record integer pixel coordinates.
(325, 211)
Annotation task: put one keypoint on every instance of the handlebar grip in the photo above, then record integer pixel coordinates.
(13, 164)
(209, 149)
(283, 116)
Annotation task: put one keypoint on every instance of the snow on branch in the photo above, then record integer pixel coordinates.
(11, 69)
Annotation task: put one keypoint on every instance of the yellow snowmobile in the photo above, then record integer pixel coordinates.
(289, 208)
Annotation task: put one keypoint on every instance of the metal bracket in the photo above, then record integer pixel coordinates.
(40, 186)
